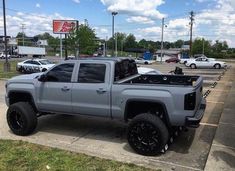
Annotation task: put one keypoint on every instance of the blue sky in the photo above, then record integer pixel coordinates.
(214, 19)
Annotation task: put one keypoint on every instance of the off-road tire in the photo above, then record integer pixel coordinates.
(21, 118)
(147, 134)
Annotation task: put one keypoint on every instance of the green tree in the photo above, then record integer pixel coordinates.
(54, 43)
(199, 44)
(219, 46)
(143, 43)
(130, 42)
(178, 43)
(22, 39)
(121, 37)
(84, 38)
(44, 36)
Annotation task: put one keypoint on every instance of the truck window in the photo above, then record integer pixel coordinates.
(61, 73)
(125, 69)
(91, 73)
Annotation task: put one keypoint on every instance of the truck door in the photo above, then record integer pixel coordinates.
(54, 94)
(91, 92)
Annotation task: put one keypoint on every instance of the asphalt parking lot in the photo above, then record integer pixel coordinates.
(104, 138)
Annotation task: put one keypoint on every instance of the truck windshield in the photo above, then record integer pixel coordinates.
(124, 69)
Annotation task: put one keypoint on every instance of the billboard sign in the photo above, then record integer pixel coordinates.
(64, 26)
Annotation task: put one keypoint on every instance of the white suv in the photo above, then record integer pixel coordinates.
(34, 65)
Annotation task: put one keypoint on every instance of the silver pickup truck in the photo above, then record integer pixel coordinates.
(152, 105)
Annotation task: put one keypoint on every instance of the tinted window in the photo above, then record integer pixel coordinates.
(35, 63)
(28, 62)
(45, 62)
(32, 62)
(61, 73)
(91, 73)
(125, 69)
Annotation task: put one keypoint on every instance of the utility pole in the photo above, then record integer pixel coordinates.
(113, 14)
(191, 31)
(162, 38)
(6, 64)
(23, 27)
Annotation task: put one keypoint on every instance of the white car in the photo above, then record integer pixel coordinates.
(204, 62)
(3, 56)
(148, 71)
(34, 65)
(143, 61)
(185, 60)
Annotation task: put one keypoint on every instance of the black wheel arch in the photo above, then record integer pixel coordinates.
(21, 96)
(128, 115)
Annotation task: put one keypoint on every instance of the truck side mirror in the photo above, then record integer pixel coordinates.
(42, 78)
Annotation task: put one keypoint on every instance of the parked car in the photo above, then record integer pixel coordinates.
(153, 105)
(143, 61)
(71, 57)
(185, 60)
(173, 59)
(3, 56)
(204, 62)
(34, 65)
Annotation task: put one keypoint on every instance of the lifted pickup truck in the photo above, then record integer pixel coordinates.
(152, 105)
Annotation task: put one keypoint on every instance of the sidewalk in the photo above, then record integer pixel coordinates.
(222, 152)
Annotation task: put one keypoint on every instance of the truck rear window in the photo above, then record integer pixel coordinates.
(125, 69)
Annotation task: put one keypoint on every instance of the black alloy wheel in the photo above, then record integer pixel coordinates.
(147, 134)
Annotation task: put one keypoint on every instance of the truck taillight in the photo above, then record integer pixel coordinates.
(190, 101)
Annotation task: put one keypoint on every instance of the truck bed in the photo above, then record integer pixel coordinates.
(162, 79)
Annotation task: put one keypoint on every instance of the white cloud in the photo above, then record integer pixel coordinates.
(139, 19)
(32, 28)
(219, 22)
(136, 8)
(76, 1)
(38, 5)
(101, 32)
(212, 24)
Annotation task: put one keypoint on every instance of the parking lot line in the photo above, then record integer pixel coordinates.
(174, 164)
(214, 102)
(208, 124)
(223, 146)
(227, 124)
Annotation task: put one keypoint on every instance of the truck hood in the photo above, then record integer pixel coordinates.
(25, 77)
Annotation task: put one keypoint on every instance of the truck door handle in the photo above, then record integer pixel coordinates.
(101, 91)
(65, 89)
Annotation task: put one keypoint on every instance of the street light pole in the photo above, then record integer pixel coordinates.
(115, 44)
(6, 64)
(113, 14)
